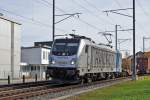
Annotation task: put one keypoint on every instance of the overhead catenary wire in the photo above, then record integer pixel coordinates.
(79, 19)
(63, 11)
(144, 11)
(94, 6)
(32, 21)
(42, 3)
(57, 8)
(116, 1)
(138, 23)
(100, 19)
(89, 24)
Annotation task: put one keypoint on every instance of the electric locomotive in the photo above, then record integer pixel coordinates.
(80, 59)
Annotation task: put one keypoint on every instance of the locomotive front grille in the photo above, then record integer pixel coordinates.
(59, 73)
(62, 73)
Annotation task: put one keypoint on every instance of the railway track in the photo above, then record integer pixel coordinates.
(23, 85)
(51, 90)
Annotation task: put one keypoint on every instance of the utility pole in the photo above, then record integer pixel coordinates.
(143, 44)
(116, 28)
(116, 34)
(54, 23)
(53, 20)
(134, 55)
(144, 38)
(133, 17)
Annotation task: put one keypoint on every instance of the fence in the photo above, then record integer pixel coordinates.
(29, 76)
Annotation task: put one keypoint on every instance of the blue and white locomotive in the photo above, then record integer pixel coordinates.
(80, 59)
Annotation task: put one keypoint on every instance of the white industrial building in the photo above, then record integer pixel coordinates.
(34, 61)
(10, 38)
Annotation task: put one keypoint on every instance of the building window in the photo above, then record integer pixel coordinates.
(86, 48)
(43, 54)
(46, 55)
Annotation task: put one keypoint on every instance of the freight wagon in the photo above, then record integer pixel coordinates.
(143, 65)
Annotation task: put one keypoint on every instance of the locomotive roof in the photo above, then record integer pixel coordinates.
(67, 40)
(87, 41)
(107, 48)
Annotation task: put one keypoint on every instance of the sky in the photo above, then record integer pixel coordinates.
(36, 19)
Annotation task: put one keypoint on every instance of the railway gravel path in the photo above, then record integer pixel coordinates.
(53, 91)
(68, 91)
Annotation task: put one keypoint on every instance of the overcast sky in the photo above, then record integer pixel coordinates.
(36, 19)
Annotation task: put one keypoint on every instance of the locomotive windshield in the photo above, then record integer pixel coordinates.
(65, 47)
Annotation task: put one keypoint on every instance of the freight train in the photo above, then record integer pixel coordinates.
(142, 64)
(80, 59)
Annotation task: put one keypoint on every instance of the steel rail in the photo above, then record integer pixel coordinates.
(23, 85)
(33, 92)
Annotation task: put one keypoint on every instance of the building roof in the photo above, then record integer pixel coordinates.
(8, 19)
(35, 47)
(44, 43)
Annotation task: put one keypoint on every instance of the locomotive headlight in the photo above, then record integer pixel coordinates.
(53, 62)
(73, 61)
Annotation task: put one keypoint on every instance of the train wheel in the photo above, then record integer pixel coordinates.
(82, 80)
(47, 76)
(112, 76)
(89, 80)
(107, 76)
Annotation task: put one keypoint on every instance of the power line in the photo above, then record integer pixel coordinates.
(29, 19)
(145, 13)
(89, 24)
(116, 1)
(52, 5)
(85, 22)
(41, 2)
(140, 5)
(90, 12)
(93, 6)
(138, 23)
(48, 4)
(116, 11)
(134, 46)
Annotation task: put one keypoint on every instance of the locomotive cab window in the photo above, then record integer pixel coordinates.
(65, 47)
(86, 48)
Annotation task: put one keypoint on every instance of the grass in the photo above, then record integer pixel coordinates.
(132, 90)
